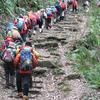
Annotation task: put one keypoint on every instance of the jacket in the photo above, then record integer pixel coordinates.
(50, 16)
(17, 61)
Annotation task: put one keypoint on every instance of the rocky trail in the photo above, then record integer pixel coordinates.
(55, 78)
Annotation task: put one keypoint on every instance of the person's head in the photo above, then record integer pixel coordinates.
(26, 19)
(28, 43)
(20, 15)
(42, 10)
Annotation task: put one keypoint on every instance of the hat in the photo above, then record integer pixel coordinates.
(42, 10)
(11, 44)
(28, 43)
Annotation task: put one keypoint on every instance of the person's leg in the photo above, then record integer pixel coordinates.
(19, 82)
(49, 21)
(12, 75)
(6, 68)
(26, 80)
(40, 26)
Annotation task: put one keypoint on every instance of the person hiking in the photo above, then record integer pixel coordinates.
(21, 25)
(98, 3)
(8, 56)
(14, 33)
(54, 11)
(59, 10)
(40, 15)
(86, 5)
(49, 16)
(63, 5)
(75, 5)
(24, 62)
(32, 23)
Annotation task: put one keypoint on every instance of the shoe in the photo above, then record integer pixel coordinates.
(20, 94)
(25, 97)
(7, 87)
(13, 86)
(40, 30)
(34, 32)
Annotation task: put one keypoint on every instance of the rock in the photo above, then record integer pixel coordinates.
(73, 76)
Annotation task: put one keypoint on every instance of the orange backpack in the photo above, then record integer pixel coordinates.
(31, 16)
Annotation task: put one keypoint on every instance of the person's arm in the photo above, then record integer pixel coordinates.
(35, 62)
(17, 60)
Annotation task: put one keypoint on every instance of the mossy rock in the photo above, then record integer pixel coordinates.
(46, 63)
(73, 76)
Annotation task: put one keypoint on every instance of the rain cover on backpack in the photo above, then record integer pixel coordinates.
(53, 9)
(48, 11)
(9, 55)
(26, 62)
(20, 23)
(9, 27)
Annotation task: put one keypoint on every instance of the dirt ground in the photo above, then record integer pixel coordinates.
(55, 77)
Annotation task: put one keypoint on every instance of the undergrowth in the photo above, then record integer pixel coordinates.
(87, 52)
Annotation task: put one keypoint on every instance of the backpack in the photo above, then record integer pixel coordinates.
(53, 9)
(56, 4)
(26, 62)
(70, 1)
(9, 27)
(63, 5)
(14, 34)
(48, 11)
(9, 53)
(20, 23)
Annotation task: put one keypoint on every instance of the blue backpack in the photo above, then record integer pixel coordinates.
(53, 9)
(26, 62)
(48, 11)
(56, 4)
(20, 23)
(9, 27)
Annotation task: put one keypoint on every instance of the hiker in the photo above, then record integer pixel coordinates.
(24, 62)
(8, 56)
(7, 40)
(32, 23)
(86, 5)
(14, 33)
(40, 15)
(21, 25)
(54, 11)
(49, 16)
(70, 5)
(98, 3)
(59, 10)
(63, 5)
(73, 4)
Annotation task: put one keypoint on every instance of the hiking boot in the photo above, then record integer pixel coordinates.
(20, 94)
(25, 97)
(13, 86)
(7, 87)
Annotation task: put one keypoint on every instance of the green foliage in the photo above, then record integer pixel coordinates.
(87, 54)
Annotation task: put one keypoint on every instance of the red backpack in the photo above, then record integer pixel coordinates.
(63, 5)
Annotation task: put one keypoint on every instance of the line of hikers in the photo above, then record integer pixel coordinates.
(18, 53)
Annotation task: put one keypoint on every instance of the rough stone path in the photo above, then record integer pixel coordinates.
(54, 76)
